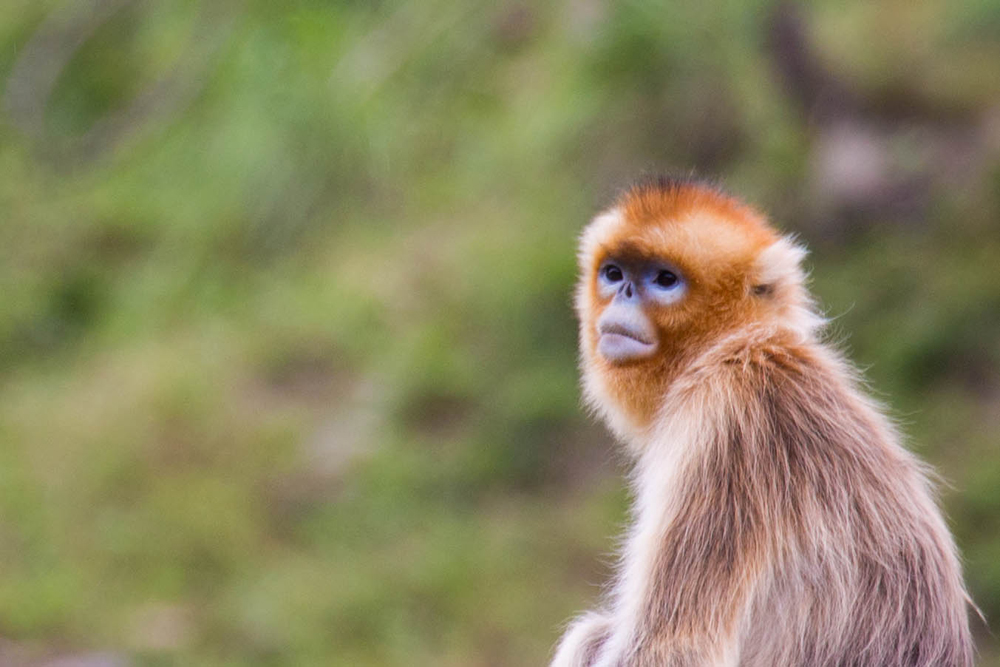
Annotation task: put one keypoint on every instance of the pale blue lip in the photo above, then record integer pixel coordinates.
(619, 328)
(620, 346)
(625, 333)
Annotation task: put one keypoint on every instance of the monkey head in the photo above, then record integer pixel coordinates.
(671, 269)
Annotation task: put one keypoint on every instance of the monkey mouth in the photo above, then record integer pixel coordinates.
(616, 329)
(619, 343)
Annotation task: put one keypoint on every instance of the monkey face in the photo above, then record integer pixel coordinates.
(666, 273)
(631, 286)
(656, 290)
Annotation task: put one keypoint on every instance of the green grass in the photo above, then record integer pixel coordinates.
(288, 373)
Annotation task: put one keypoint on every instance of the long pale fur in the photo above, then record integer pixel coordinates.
(777, 520)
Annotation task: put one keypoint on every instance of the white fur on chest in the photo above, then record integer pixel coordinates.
(656, 487)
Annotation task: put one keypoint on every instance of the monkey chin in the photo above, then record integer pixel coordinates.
(620, 348)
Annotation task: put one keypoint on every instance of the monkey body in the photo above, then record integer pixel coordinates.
(777, 519)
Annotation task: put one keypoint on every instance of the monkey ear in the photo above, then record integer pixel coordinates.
(779, 278)
(779, 268)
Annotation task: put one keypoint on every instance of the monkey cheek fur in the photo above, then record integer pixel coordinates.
(619, 348)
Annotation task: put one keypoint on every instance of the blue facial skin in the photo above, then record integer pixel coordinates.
(626, 332)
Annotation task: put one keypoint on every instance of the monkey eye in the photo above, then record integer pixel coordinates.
(612, 273)
(666, 279)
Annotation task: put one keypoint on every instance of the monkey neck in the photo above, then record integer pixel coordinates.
(639, 391)
(640, 394)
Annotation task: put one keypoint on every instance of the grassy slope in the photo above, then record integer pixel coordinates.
(288, 377)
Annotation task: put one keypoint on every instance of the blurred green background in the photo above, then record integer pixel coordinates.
(287, 357)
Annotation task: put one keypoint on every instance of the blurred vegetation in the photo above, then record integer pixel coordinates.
(287, 359)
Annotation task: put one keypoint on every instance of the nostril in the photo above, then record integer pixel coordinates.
(628, 290)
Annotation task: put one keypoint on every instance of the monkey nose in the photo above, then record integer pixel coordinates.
(626, 290)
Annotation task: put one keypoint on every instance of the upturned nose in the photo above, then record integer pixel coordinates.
(626, 291)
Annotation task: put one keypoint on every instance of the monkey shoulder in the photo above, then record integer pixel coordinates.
(753, 357)
(798, 402)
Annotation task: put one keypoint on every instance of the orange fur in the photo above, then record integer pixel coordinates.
(715, 241)
(777, 519)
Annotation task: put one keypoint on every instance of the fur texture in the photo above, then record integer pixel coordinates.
(777, 519)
